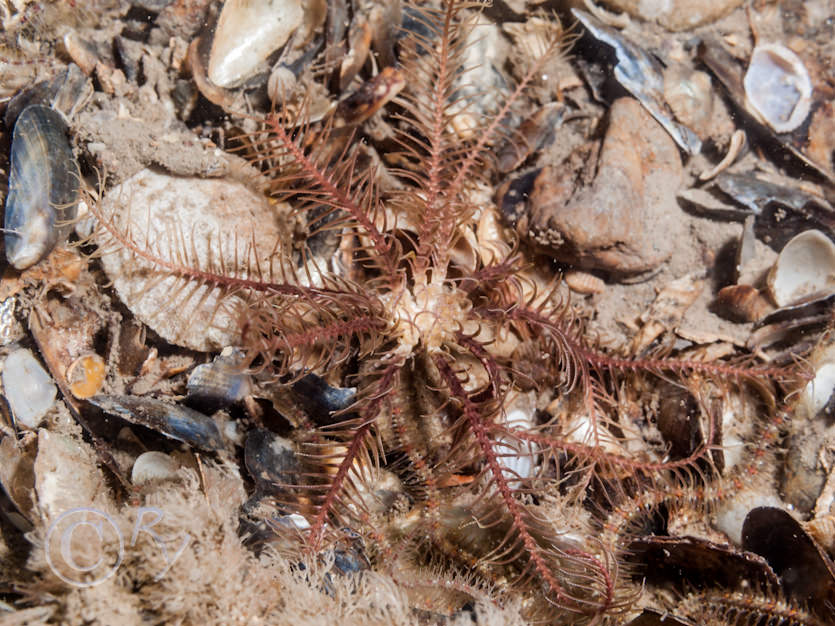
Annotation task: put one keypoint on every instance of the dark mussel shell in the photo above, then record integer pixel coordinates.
(172, 420)
(43, 186)
(806, 573)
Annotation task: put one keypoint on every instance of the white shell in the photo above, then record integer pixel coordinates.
(28, 388)
(816, 393)
(248, 31)
(517, 457)
(778, 87)
(201, 221)
(731, 513)
(806, 265)
(153, 466)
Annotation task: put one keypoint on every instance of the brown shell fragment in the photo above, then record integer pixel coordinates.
(623, 221)
(529, 137)
(742, 303)
(371, 97)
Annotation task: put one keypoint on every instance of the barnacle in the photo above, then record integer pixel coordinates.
(449, 354)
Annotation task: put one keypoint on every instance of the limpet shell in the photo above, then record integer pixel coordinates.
(218, 219)
(805, 266)
(777, 87)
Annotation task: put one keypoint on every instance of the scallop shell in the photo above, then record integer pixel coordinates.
(43, 186)
(805, 266)
(777, 87)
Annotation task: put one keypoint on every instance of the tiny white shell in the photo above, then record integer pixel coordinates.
(153, 466)
(249, 31)
(806, 265)
(777, 87)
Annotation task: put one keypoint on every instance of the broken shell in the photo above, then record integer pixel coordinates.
(153, 465)
(797, 326)
(742, 303)
(66, 475)
(516, 457)
(220, 383)
(700, 561)
(17, 477)
(777, 87)
(43, 186)
(172, 420)
(249, 31)
(320, 401)
(817, 392)
(641, 74)
(28, 388)
(805, 266)
(270, 459)
(86, 376)
(10, 329)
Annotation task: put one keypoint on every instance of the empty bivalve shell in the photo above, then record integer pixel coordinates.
(805, 266)
(43, 186)
(778, 87)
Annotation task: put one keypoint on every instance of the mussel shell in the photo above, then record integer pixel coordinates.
(43, 186)
(691, 561)
(321, 401)
(172, 420)
(216, 385)
(270, 459)
(807, 574)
